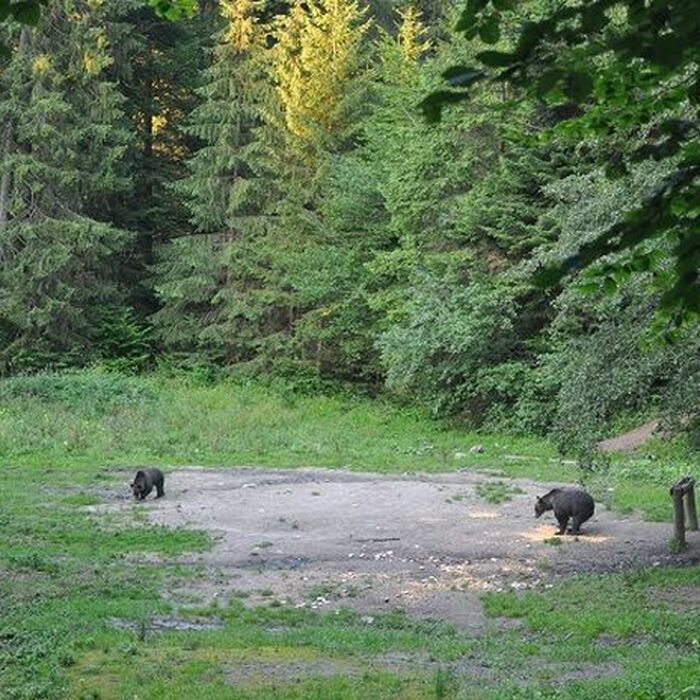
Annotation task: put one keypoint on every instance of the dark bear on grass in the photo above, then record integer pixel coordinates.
(145, 480)
(568, 504)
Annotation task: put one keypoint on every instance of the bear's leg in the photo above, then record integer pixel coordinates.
(576, 525)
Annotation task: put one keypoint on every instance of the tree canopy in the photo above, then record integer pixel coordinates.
(253, 190)
(613, 67)
(28, 12)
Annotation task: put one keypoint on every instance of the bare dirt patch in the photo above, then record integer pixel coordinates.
(679, 598)
(407, 666)
(327, 539)
(632, 440)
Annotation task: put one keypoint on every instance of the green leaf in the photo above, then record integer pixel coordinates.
(530, 36)
(588, 287)
(496, 59)
(4, 10)
(610, 285)
(26, 12)
(434, 103)
(467, 19)
(490, 31)
(503, 5)
(463, 75)
(173, 9)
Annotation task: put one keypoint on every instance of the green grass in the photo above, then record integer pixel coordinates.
(68, 565)
(497, 492)
(93, 418)
(612, 627)
(159, 420)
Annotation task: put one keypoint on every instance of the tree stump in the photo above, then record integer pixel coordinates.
(683, 494)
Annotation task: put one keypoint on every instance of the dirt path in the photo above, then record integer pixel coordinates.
(631, 440)
(429, 544)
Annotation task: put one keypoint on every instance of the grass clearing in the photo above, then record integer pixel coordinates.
(602, 637)
(161, 420)
(67, 570)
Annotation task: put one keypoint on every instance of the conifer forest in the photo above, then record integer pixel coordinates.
(369, 235)
(256, 188)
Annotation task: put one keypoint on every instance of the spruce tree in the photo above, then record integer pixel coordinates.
(205, 279)
(464, 204)
(157, 68)
(319, 69)
(61, 163)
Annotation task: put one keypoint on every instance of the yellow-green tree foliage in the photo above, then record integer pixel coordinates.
(317, 57)
(412, 35)
(401, 53)
(242, 31)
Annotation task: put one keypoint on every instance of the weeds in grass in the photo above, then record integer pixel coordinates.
(445, 684)
(675, 546)
(497, 492)
(553, 541)
(88, 418)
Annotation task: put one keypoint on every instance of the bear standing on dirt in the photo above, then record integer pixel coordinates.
(145, 480)
(566, 503)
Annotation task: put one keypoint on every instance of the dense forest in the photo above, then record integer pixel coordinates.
(255, 189)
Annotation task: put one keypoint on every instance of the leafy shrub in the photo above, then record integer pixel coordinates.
(454, 351)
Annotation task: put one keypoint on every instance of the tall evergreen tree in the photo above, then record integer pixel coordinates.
(201, 277)
(319, 69)
(62, 155)
(157, 68)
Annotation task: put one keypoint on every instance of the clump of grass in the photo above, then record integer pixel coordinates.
(33, 561)
(445, 683)
(675, 546)
(553, 541)
(455, 498)
(497, 491)
(98, 390)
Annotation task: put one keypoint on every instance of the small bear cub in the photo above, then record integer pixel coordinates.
(145, 480)
(567, 503)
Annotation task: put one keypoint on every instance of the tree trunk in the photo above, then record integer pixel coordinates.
(8, 137)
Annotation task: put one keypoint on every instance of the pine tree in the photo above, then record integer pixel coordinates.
(64, 142)
(198, 283)
(364, 255)
(157, 69)
(315, 63)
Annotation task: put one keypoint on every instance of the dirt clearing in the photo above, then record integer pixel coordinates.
(428, 544)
